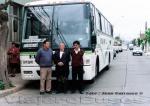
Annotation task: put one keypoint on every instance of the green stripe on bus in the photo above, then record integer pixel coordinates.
(33, 53)
(27, 53)
(88, 52)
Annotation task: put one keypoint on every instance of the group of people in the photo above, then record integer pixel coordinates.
(61, 58)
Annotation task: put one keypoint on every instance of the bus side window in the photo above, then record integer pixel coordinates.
(93, 42)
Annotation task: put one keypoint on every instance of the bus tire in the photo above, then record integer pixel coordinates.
(97, 67)
(91, 81)
(108, 66)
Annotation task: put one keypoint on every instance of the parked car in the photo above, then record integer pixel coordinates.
(114, 53)
(116, 49)
(137, 51)
(124, 47)
(131, 46)
(120, 48)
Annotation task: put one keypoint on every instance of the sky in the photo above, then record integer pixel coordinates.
(127, 16)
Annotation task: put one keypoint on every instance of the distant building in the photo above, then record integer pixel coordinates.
(15, 19)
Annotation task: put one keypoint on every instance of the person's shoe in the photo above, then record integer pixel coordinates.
(42, 93)
(49, 92)
(12, 75)
(81, 92)
(65, 92)
(57, 92)
(73, 91)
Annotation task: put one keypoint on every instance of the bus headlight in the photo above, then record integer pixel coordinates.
(87, 61)
(27, 72)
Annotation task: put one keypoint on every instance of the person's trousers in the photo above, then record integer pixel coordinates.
(77, 72)
(61, 79)
(45, 77)
(61, 83)
(13, 68)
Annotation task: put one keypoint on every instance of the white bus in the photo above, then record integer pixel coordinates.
(66, 22)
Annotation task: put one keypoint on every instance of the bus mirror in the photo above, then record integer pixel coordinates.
(93, 47)
(92, 23)
(93, 40)
(93, 43)
(15, 25)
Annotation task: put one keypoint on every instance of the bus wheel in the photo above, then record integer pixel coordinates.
(97, 67)
(108, 66)
(91, 81)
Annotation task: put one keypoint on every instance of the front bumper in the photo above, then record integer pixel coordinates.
(33, 73)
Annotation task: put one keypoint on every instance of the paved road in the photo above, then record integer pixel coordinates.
(126, 83)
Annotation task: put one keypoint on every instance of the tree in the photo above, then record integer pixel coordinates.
(117, 38)
(147, 35)
(133, 42)
(139, 41)
(3, 45)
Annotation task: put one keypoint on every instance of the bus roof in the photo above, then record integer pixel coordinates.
(52, 2)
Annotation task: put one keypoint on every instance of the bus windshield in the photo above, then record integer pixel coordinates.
(59, 23)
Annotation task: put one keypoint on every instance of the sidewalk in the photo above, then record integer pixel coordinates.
(17, 82)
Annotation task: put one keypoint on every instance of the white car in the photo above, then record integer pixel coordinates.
(137, 51)
(124, 47)
(117, 49)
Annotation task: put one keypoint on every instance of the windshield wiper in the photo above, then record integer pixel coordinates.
(58, 31)
(52, 24)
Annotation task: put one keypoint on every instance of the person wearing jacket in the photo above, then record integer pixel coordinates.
(44, 59)
(61, 59)
(14, 59)
(77, 67)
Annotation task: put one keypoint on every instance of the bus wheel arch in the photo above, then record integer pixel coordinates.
(109, 59)
(96, 71)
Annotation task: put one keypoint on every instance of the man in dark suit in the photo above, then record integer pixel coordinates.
(61, 59)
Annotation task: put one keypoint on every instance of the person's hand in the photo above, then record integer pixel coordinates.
(10, 52)
(60, 63)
